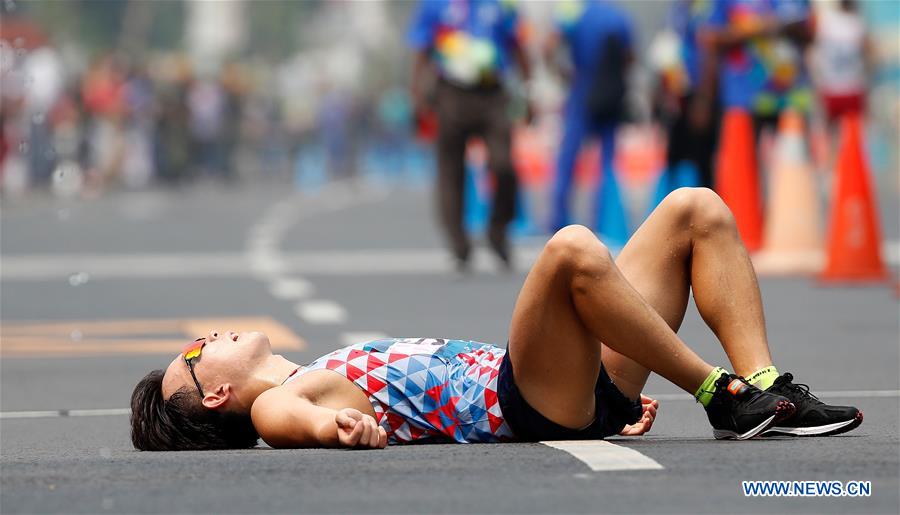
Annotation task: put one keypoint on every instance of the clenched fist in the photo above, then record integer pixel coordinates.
(358, 430)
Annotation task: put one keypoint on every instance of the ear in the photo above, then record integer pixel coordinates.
(216, 399)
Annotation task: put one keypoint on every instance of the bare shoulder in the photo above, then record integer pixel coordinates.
(290, 416)
(276, 414)
(302, 412)
(272, 401)
(273, 406)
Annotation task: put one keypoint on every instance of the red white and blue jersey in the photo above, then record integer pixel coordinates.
(426, 388)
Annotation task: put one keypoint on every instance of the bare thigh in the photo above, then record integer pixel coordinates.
(555, 359)
(656, 262)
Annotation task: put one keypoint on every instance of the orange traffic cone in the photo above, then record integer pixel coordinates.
(854, 236)
(792, 241)
(737, 181)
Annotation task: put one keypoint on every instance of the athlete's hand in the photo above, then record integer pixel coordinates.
(356, 429)
(646, 422)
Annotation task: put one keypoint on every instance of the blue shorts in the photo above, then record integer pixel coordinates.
(613, 411)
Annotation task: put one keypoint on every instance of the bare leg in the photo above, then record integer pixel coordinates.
(574, 298)
(691, 239)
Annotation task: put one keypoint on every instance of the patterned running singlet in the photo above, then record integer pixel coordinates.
(426, 388)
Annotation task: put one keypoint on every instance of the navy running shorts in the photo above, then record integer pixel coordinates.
(613, 411)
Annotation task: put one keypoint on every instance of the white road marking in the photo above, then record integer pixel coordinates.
(54, 267)
(863, 394)
(291, 289)
(98, 412)
(267, 261)
(50, 267)
(263, 261)
(65, 413)
(321, 312)
(349, 338)
(31, 414)
(267, 265)
(601, 455)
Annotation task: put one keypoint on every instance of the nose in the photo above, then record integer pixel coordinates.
(212, 336)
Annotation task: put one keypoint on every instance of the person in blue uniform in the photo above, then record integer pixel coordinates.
(598, 37)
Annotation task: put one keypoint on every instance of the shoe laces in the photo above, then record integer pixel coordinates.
(786, 381)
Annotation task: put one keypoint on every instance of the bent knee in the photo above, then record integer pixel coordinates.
(700, 210)
(577, 249)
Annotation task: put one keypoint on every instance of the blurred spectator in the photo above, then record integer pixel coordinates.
(685, 96)
(761, 45)
(472, 43)
(138, 163)
(69, 142)
(598, 36)
(172, 147)
(43, 86)
(394, 114)
(103, 94)
(335, 120)
(842, 60)
(233, 89)
(207, 111)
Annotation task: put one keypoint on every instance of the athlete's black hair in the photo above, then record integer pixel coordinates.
(182, 423)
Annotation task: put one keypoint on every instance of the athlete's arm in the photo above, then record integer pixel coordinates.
(285, 420)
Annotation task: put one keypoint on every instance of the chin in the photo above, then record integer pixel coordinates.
(257, 340)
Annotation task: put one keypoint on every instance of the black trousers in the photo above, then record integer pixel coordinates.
(462, 114)
(689, 144)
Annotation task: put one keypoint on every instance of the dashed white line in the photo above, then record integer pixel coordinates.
(267, 260)
(321, 312)
(601, 455)
(291, 289)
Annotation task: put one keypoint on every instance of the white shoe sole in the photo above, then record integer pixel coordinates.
(808, 431)
(724, 434)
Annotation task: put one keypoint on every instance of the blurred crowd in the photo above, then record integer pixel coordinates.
(121, 119)
(79, 124)
(129, 123)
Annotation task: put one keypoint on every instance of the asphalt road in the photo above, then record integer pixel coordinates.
(340, 265)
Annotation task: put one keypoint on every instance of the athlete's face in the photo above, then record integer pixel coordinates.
(227, 358)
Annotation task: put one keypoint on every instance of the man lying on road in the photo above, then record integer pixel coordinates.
(586, 332)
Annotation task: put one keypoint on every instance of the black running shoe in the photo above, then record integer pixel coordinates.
(739, 410)
(813, 417)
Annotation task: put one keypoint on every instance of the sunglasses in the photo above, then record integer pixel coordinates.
(191, 354)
